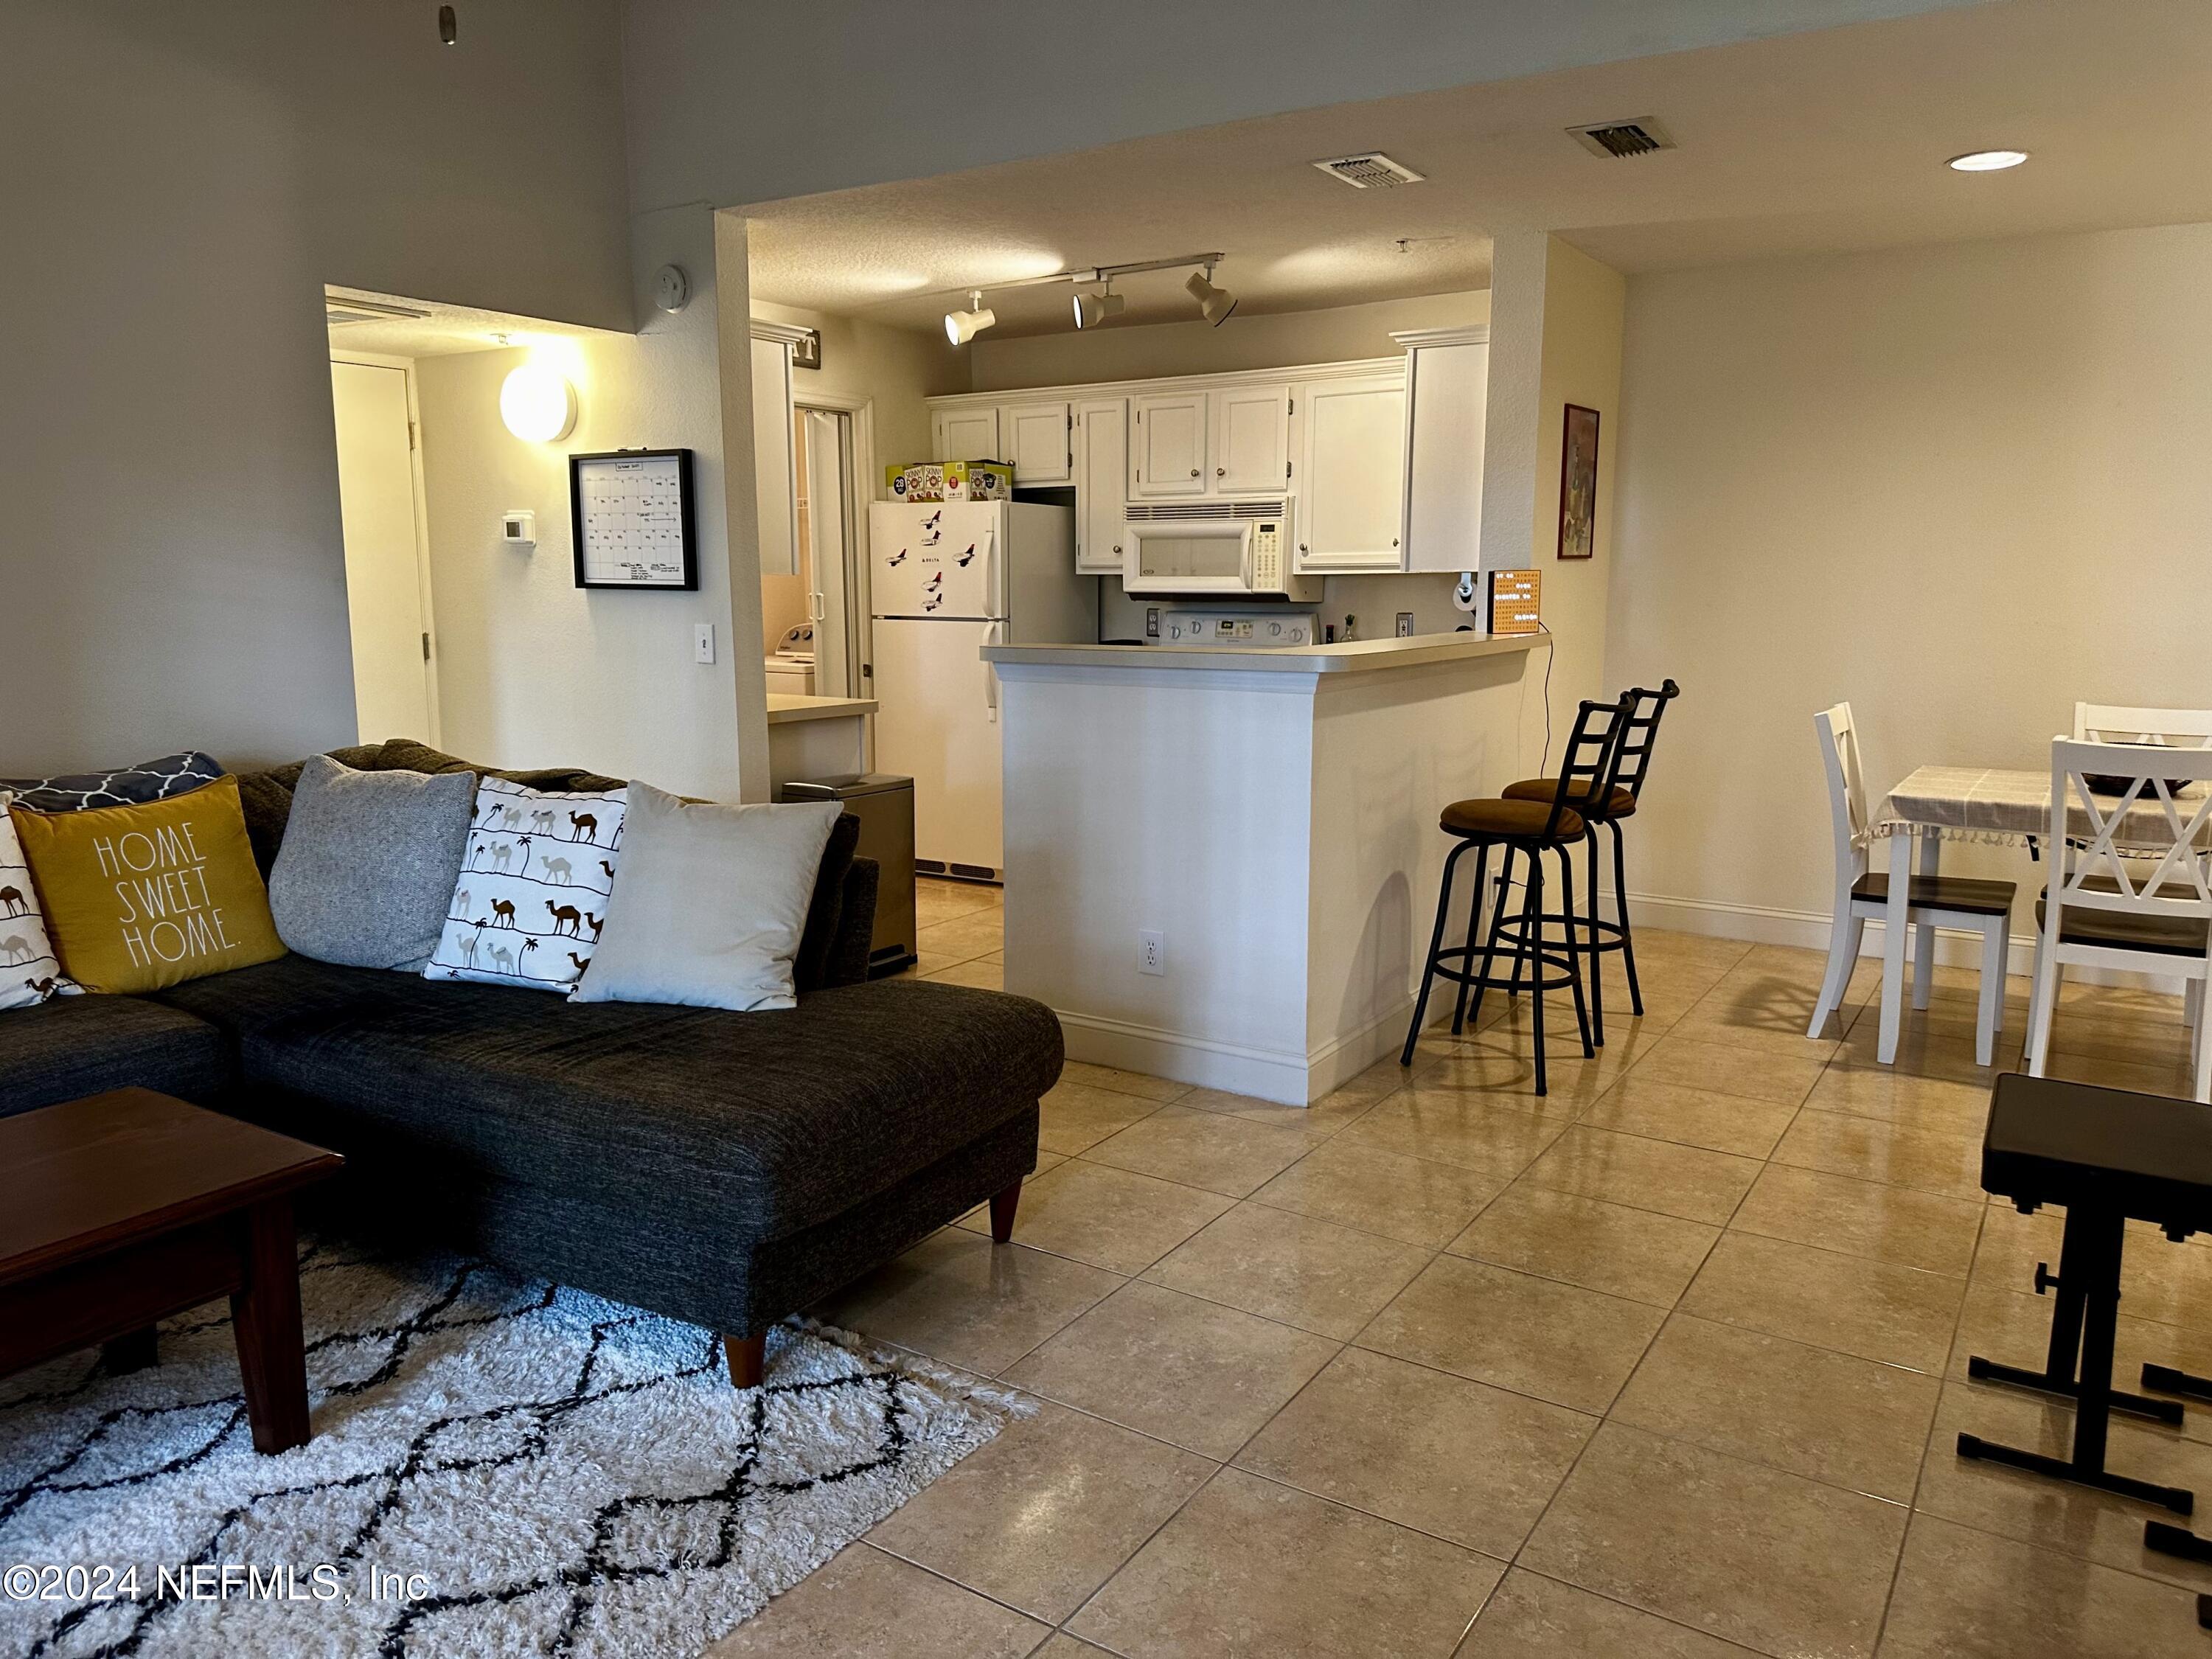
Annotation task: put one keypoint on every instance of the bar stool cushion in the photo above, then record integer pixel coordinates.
(1513, 820)
(1620, 805)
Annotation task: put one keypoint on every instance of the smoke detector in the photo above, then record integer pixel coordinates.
(1370, 170)
(1621, 139)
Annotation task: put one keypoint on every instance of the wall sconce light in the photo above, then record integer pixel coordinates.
(539, 404)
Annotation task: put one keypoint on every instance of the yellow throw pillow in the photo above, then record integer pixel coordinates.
(138, 898)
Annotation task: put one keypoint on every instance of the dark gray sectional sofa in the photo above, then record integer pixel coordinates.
(724, 1169)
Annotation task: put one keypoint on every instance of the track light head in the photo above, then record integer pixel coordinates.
(449, 27)
(962, 326)
(1214, 304)
(1092, 309)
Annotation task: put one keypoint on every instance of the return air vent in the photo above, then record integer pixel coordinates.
(1620, 139)
(336, 311)
(1184, 512)
(1371, 171)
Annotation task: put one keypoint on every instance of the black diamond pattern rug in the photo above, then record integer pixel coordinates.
(498, 1467)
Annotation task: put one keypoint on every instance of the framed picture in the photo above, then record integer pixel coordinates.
(631, 520)
(1578, 483)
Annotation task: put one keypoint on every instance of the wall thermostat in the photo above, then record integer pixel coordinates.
(672, 288)
(518, 529)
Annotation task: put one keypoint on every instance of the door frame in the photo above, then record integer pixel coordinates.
(860, 491)
(431, 662)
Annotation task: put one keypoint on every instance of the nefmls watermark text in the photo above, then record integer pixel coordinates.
(209, 1581)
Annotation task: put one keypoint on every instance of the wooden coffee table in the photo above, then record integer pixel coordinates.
(124, 1208)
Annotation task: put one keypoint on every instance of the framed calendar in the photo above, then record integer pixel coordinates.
(630, 517)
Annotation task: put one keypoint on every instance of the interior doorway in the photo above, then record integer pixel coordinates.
(388, 572)
(809, 618)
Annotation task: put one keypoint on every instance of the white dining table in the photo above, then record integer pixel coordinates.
(1980, 804)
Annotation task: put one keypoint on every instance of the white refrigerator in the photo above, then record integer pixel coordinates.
(946, 579)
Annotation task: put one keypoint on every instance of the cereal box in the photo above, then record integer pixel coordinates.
(925, 482)
(978, 481)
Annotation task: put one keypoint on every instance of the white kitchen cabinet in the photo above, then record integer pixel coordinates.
(1102, 469)
(1249, 440)
(774, 483)
(968, 434)
(1167, 445)
(1040, 441)
(1447, 381)
(1351, 478)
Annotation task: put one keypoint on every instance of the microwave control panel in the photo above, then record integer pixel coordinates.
(1267, 556)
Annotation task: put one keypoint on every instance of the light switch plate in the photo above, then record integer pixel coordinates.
(702, 642)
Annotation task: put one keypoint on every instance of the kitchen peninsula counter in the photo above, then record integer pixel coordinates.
(1270, 813)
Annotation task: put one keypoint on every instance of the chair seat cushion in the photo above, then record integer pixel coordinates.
(1963, 894)
(1619, 805)
(748, 1126)
(2173, 936)
(70, 1047)
(1516, 820)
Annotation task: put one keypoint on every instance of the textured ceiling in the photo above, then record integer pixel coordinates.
(1832, 140)
(443, 331)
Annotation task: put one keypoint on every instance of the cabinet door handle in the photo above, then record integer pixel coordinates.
(1193, 472)
(1220, 472)
(1393, 541)
(1117, 547)
(1302, 547)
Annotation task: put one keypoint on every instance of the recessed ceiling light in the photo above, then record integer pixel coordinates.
(1987, 160)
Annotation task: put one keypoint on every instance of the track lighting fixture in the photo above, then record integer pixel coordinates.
(1214, 304)
(962, 326)
(449, 28)
(1092, 309)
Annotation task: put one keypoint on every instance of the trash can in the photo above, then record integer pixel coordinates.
(884, 804)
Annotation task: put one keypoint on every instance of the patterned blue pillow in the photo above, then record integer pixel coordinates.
(126, 785)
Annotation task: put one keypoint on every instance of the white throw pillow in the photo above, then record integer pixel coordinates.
(711, 901)
(29, 970)
(533, 894)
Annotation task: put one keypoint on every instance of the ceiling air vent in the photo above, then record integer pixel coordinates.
(339, 311)
(1621, 138)
(1371, 171)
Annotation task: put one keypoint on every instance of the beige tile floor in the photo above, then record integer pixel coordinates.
(1669, 1363)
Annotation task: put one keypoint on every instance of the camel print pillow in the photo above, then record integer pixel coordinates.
(29, 970)
(533, 893)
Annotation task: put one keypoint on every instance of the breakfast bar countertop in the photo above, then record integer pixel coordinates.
(1355, 657)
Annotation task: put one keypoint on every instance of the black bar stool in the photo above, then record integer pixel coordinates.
(2109, 1156)
(1607, 804)
(1531, 828)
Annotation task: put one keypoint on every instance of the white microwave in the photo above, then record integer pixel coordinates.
(1226, 549)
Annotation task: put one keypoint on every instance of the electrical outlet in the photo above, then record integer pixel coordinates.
(1151, 621)
(1151, 952)
(702, 642)
(1405, 624)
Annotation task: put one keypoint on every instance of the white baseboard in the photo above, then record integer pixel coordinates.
(1808, 930)
(1283, 1076)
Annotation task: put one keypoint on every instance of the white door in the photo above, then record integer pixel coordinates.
(1251, 440)
(1167, 453)
(964, 434)
(1446, 387)
(1041, 440)
(935, 559)
(936, 723)
(775, 475)
(385, 599)
(1102, 452)
(1354, 490)
(829, 531)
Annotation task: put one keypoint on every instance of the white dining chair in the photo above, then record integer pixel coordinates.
(2174, 728)
(1935, 901)
(2137, 902)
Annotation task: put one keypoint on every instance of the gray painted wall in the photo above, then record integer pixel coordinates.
(739, 101)
(181, 181)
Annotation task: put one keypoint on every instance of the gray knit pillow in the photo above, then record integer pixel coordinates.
(368, 864)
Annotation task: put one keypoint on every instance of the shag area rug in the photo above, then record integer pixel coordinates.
(498, 1467)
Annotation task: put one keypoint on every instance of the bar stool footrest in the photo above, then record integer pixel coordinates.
(2179, 1499)
(2166, 1380)
(2168, 1411)
(2164, 1538)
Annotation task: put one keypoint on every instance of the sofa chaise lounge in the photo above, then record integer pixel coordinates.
(724, 1168)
